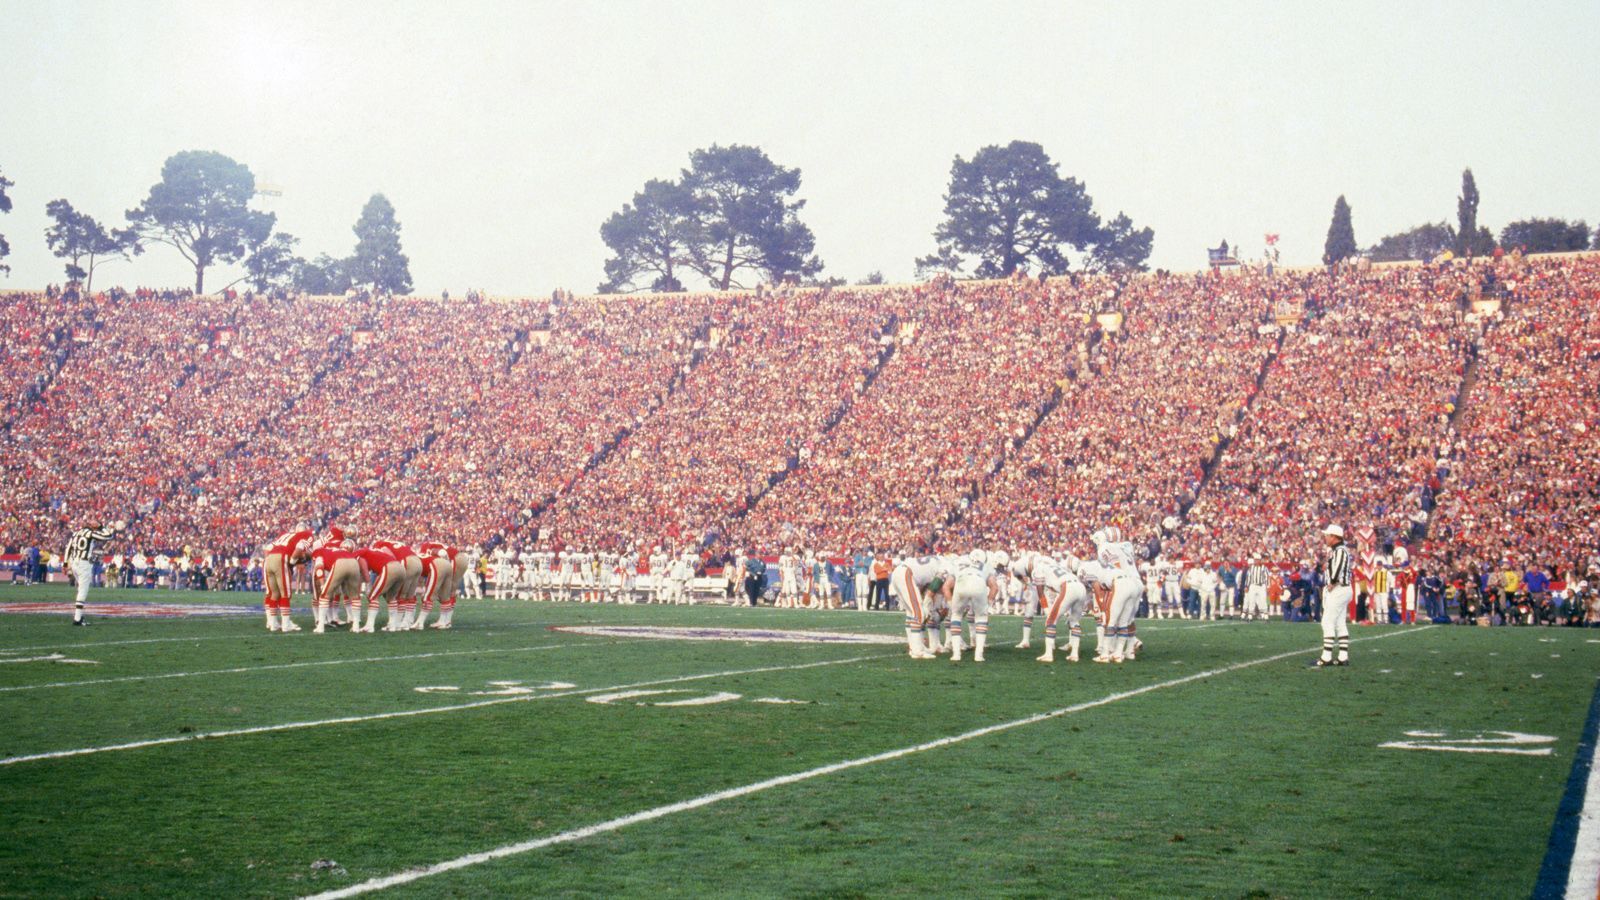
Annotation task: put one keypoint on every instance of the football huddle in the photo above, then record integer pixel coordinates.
(346, 577)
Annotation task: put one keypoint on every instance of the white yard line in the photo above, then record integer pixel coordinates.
(1583, 875)
(578, 834)
(256, 633)
(302, 665)
(171, 640)
(407, 713)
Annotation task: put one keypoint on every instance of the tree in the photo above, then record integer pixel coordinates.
(1546, 235)
(1467, 215)
(873, 277)
(1341, 243)
(1010, 207)
(651, 235)
(201, 208)
(322, 277)
(744, 217)
(5, 207)
(1423, 242)
(273, 264)
(1120, 248)
(83, 242)
(378, 261)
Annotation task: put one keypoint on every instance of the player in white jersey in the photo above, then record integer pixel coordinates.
(628, 575)
(1060, 591)
(973, 586)
(906, 582)
(605, 563)
(788, 579)
(504, 571)
(936, 608)
(658, 562)
(808, 572)
(679, 571)
(1172, 589)
(1120, 561)
(1152, 590)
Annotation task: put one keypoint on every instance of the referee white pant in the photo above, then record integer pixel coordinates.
(1255, 601)
(1335, 621)
(83, 573)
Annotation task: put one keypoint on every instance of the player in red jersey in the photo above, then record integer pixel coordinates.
(283, 554)
(340, 581)
(336, 539)
(385, 574)
(405, 598)
(444, 567)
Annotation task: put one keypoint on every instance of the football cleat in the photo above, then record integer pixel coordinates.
(80, 623)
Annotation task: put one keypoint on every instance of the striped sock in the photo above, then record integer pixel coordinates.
(1327, 649)
(1344, 648)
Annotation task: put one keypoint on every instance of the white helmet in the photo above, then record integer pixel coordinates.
(1000, 558)
(976, 557)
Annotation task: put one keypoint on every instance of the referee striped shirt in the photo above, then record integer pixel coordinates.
(1336, 571)
(83, 542)
(1256, 576)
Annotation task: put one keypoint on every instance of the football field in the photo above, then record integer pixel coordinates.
(637, 750)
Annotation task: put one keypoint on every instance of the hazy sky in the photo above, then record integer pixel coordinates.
(506, 133)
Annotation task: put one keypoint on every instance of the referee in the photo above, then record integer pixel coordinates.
(81, 551)
(1335, 599)
(1255, 591)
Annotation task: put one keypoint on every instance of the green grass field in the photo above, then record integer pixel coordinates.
(1264, 779)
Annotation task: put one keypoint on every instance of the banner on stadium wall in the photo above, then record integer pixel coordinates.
(539, 337)
(1485, 306)
(361, 337)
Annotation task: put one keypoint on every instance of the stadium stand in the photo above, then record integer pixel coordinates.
(1020, 412)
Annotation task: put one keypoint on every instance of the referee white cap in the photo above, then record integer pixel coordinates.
(1334, 530)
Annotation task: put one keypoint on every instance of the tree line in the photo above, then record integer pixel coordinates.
(201, 208)
(1466, 238)
(733, 215)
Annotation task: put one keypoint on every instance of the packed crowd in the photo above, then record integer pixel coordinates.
(972, 368)
(1196, 416)
(1129, 444)
(1524, 472)
(778, 369)
(1352, 418)
(591, 370)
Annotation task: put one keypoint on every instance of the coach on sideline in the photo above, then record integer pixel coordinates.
(81, 550)
(1335, 599)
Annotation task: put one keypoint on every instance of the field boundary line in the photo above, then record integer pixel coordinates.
(1571, 866)
(587, 831)
(304, 664)
(257, 633)
(409, 713)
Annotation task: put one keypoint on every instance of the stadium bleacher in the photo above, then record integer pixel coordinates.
(950, 413)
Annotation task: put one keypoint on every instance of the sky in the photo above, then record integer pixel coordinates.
(505, 133)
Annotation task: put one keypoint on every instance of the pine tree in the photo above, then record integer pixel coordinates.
(1467, 215)
(378, 261)
(1341, 243)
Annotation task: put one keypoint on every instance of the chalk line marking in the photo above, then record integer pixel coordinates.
(410, 713)
(578, 834)
(298, 665)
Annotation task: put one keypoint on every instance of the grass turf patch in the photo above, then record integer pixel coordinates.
(1266, 779)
